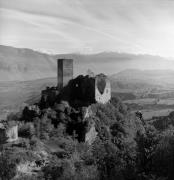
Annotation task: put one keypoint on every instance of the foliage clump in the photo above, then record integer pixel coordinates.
(126, 147)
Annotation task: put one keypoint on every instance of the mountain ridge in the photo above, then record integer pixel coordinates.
(22, 64)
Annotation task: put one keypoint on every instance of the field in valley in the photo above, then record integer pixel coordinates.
(14, 95)
(151, 107)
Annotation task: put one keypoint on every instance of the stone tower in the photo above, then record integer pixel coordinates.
(65, 72)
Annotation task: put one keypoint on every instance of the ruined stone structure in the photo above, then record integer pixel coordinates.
(12, 133)
(35, 108)
(97, 88)
(85, 90)
(8, 132)
(102, 89)
(81, 91)
(65, 72)
(78, 93)
(50, 93)
(64, 75)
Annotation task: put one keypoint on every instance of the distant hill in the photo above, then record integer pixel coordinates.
(26, 64)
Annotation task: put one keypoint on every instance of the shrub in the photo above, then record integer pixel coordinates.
(24, 143)
(34, 143)
(45, 127)
(67, 143)
(26, 177)
(26, 130)
(146, 146)
(28, 115)
(109, 160)
(52, 172)
(14, 116)
(60, 131)
(7, 167)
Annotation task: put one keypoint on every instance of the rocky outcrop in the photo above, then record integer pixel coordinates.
(91, 135)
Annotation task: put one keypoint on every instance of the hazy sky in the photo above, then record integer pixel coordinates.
(89, 26)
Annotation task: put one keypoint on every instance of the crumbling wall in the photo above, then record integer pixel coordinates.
(48, 97)
(8, 133)
(85, 90)
(102, 89)
(79, 91)
(12, 133)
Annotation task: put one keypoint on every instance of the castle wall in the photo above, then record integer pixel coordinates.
(85, 90)
(8, 134)
(12, 133)
(102, 89)
(50, 94)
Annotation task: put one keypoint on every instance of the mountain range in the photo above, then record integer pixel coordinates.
(21, 64)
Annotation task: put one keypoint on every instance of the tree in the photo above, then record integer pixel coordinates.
(7, 167)
(27, 130)
(52, 172)
(45, 127)
(146, 146)
(109, 160)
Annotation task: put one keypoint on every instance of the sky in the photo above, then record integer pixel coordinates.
(89, 26)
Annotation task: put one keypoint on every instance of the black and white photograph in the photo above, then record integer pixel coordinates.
(86, 89)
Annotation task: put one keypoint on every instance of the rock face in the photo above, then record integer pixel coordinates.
(87, 112)
(91, 135)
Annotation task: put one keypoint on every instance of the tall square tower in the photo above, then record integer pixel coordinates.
(65, 72)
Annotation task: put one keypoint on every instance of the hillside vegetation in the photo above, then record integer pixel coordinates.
(51, 145)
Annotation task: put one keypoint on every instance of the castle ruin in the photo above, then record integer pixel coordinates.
(82, 88)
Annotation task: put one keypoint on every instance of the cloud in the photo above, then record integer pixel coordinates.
(62, 26)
